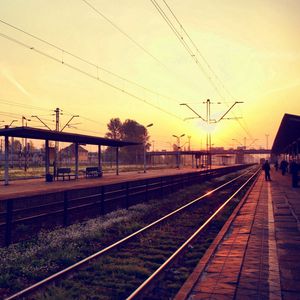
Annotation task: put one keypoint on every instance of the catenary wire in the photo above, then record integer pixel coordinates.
(192, 54)
(89, 75)
(92, 64)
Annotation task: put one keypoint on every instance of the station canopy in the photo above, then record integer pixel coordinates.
(288, 133)
(43, 134)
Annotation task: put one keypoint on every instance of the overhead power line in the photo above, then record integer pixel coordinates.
(198, 51)
(213, 78)
(101, 14)
(89, 75)
(21, 105)
(186, 46)
(97, 67)
(123, 32)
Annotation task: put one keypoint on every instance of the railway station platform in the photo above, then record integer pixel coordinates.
(32, 187)
(28, 187)
(257, 253)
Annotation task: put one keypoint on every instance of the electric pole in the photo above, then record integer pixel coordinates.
(267, 141)
(57, 114)
(209, 121)
(189, 142)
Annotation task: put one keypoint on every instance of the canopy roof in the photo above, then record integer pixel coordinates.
(42, 134)
(288, 133)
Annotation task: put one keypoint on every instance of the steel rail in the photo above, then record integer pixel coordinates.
(150, 279)
(80, 263)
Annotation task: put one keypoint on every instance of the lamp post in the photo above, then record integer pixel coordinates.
(178, 148)
(149, 125)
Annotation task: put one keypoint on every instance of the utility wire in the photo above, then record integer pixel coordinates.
(89, 75)
(245, 127)
(130, 38)
(191, 53)
(123, 32)
(97, 67)
(26, 106)
(198, 51)
(185, 45)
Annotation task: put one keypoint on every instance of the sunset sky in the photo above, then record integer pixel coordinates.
(248, 51)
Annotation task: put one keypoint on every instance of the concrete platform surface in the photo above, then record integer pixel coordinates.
(28, 187)
(258, 256)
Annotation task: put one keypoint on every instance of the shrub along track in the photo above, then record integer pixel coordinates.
(122, 269)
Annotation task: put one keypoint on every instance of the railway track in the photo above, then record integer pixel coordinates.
(130, 266)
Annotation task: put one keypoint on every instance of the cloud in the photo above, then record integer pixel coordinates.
(288, 86)
(9, 76)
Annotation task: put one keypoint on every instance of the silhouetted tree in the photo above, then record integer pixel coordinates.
(132, 131)
(115, 132)
(115, 128)
(17, 146)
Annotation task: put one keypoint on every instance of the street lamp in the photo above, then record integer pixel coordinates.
(178, 139)
(178, 148)
(149, 125)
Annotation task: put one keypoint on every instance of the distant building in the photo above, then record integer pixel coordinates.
(67, 155)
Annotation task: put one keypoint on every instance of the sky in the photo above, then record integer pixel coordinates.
(106, 59)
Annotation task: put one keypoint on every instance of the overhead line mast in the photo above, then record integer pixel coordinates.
(193, 54)
(209, 121)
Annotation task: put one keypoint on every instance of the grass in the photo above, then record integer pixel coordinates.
(39, 171)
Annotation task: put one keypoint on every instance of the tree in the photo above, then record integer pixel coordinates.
(115, 128)
(131, 131)
(17, 146)
(134, 132)
(115, 132)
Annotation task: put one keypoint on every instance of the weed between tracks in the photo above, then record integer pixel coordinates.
(25, 263)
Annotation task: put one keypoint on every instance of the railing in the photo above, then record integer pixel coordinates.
(23, 214)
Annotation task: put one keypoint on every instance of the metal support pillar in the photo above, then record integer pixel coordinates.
(76, 161)
(99, 158)
(47, 164)
(117, 160)
(12, 152)
(6, 149)
(145, 163)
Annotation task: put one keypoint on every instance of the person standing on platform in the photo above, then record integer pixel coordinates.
(283, 167)
(276, 165)
(294, 168)
(266, 168)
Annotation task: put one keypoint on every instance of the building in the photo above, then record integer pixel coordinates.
(67, 154)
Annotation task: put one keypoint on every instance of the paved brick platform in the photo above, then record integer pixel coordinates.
(258, 255)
